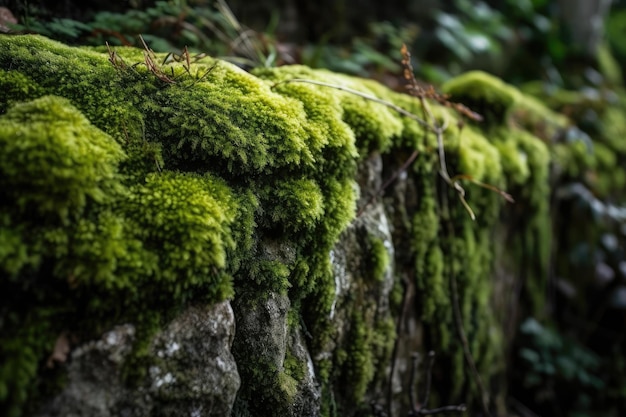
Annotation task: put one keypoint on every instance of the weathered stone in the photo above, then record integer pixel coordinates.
(196, 374)
(193, 371)
(94, 387)
(306, 402)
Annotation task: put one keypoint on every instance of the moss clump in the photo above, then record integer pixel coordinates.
(378, 255)
(302, 204)
(478, 158)
(70, 162)
(17, 87)
(81, 242)
(364, 356)
(483, 93)
(374, 126)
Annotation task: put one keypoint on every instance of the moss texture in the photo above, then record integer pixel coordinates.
(127, 197)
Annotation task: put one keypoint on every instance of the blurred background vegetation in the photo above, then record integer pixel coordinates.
(570, 357)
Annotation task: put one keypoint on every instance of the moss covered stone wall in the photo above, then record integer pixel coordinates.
(132, 190)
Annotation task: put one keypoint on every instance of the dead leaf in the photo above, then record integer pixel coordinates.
(60, 352)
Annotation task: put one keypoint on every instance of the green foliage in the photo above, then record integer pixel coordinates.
(552, 359)
(478, 29)
(591, 159)
(466, 35)
(376, 52)
(166, 26)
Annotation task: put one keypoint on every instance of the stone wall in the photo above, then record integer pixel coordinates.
(192, 239)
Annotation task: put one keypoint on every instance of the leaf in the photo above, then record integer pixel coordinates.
(60, 351)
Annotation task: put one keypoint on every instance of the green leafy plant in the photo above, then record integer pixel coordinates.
(377, 52)
(166, 26)
(555, 366)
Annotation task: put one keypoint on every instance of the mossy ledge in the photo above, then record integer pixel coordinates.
(125, 199)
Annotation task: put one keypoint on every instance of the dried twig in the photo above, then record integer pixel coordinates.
(396, 344)
(429, 91)
(357, 93)
(149, 60)
(423, 94)
(508, 197)
(458, 321)
(115, 60)
(419, 409)
(388, 182)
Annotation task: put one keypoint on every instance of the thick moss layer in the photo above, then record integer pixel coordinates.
(126, 197)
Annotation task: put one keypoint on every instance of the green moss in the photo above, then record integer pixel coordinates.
(235, 107)
(367, 353)
(373, 124)
(53, 161)
(483, 93)
(270, 275)
(378, 258)
(359, 360)
(187, 219)
(17, 87)
(296, 204)
(531, 115)
(294, 367)
(288, 385)
(506, 152)
(478, 158)
(428, 256)
(514, 161)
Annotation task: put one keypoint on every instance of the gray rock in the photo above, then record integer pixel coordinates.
(193, 371)
(196, 374)
(264, 326)
(306, 402)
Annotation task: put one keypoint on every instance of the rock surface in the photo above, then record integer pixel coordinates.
(193, 372)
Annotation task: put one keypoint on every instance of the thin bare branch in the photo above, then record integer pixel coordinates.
(429, 376)
(413, 381)
(484, 396)
(360, 94)
(149, 60)
(387, 183)
(508, 197)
